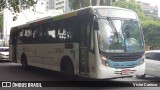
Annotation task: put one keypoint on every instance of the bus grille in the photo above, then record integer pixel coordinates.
(119, 58)
(124, 64)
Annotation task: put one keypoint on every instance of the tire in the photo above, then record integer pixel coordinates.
(68, 70)
(140, 76)
(24, 63)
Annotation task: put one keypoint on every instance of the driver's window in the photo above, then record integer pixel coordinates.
(147, 56)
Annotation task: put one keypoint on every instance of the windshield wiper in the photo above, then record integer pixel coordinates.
(113, 27)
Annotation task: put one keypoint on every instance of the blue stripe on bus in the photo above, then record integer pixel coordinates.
(124, 64)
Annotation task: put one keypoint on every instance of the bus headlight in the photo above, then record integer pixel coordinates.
(104, 60)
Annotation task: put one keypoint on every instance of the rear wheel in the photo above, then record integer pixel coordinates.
(24, 62)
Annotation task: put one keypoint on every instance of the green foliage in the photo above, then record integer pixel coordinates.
(151, 30)
(14, 5)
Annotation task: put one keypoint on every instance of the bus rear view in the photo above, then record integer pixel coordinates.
(120, 43)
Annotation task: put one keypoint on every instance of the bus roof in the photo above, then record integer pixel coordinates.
(68, 15)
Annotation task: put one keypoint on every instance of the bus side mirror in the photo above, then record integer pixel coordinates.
(95, 24)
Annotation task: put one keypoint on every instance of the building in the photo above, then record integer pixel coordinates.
(62, 5)
(149, 10)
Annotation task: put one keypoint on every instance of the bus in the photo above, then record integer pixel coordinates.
(96, 42)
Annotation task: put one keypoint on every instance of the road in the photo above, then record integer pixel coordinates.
(10, 71)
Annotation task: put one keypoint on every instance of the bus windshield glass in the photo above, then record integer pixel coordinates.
(127, 39)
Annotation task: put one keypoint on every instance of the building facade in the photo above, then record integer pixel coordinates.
(62, 5)
(148, 9)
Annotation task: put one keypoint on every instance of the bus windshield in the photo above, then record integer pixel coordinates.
(127, 39)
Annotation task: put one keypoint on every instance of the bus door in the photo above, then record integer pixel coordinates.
(84, 52)
(13, 41)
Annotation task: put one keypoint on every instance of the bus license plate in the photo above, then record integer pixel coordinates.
(125, 71)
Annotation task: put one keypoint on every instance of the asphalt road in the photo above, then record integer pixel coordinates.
(10, 71)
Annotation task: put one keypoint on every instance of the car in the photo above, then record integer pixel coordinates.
(4, 53)
(152, 61)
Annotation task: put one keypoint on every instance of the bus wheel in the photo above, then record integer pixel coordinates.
(68, 70)
(140, 76)
(24, 62)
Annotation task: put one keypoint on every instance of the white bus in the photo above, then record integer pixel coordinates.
(96, 42)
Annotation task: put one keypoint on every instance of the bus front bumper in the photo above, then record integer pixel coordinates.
(104, 72)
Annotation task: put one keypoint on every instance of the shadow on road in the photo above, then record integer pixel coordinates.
(56, 78)
(152, 78)
(78, 81)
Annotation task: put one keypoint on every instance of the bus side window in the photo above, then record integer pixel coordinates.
(34, 34)
(69, 33)
(50, 33)
(62, 34)
(19, 36)
(38, 34)
(27, 37)
(65, 31)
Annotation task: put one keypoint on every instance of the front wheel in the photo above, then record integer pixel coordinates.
(140, 76)
(68, 70)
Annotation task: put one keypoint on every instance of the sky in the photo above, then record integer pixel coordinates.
(152, 2)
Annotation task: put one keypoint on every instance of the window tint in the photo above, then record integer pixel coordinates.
(62, 34)
(148, 56)
(24, 35)
(65, 32)
(38, 34)
(19, 36)
(155, 56)
(50, 32)
(27, 35)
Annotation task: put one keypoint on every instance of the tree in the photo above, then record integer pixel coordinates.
(151, 30)
(14, 5)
